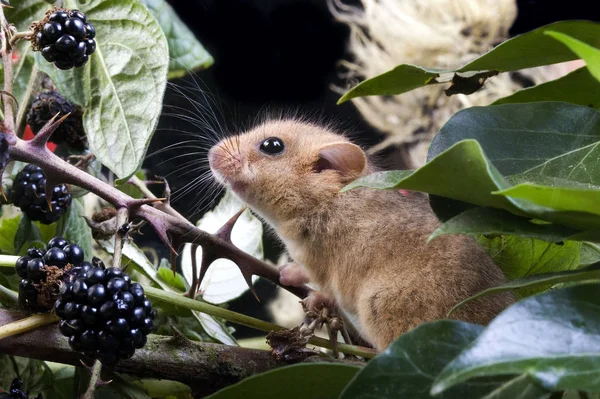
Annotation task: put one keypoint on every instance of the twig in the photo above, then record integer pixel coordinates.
(26, 324)
(122, 216)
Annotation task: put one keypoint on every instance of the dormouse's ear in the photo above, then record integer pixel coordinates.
(346, 158)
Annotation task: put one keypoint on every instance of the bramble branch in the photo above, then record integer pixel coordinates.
(205, 367)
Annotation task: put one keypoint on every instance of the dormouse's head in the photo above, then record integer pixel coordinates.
(284, 168)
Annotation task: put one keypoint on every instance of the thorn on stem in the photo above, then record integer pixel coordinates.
(224, 232)
(46, 131)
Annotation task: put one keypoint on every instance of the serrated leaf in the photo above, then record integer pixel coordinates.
(528, 50)
(300, 381)
(122, 85)
(572, 88)
(223, 281)
(553, 337)
(186, 53)
(407, 368)
(24, 12)
(485, 221)
(589, 54)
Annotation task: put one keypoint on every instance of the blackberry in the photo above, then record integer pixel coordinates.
(39, 286)
(49, 103)
(29, 194)
(64, 38)
(103, 313)
(16, 391)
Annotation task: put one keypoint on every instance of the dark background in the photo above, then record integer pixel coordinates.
(281, 55)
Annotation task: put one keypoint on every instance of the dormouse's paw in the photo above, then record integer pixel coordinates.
(316, 301)
(292, 274)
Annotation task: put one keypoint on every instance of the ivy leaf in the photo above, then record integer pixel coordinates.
(22, 233)
(186, 53)
(408, 367)
(572, 88)
(519, 257)
(528, 50)
(300, 381)
(552, 337)
(539, 281)
(486, 221)
(589, 54)
(122, 85)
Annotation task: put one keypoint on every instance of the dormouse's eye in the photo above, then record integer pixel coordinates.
(272, 146)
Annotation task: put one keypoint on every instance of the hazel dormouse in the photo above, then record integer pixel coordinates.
(365, 249)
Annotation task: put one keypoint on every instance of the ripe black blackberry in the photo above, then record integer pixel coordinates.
(48, 104)
(65, 38)
(103, 313)
(37, 292)
(16, 391)
(29, 194)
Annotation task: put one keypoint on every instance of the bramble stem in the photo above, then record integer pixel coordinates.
(9, 118)
(184, 302)
(8, 260)
(26, 324)
(96, 370)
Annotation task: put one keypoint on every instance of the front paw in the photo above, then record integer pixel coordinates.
(292, 274)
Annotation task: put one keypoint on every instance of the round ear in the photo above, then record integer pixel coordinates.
(346, 158)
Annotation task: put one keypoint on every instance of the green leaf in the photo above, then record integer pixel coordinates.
(528, 50)
(122, 85)
(572, 88)
(462, 172)
(186, 53)
(77, 230)
(24, 12)
(8, 232)
(520, 257)
(478, 221)
(522, 137)
(521, 387)
(589, 254)
(563, 198)
(539, 282)
(175, 281)
(22, 234)
(552, 337)
(301, 381)
(408, 367)
(589, 54)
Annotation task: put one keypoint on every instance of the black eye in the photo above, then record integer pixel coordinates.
(272, 146)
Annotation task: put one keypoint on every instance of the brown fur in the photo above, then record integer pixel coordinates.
(366, 248)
